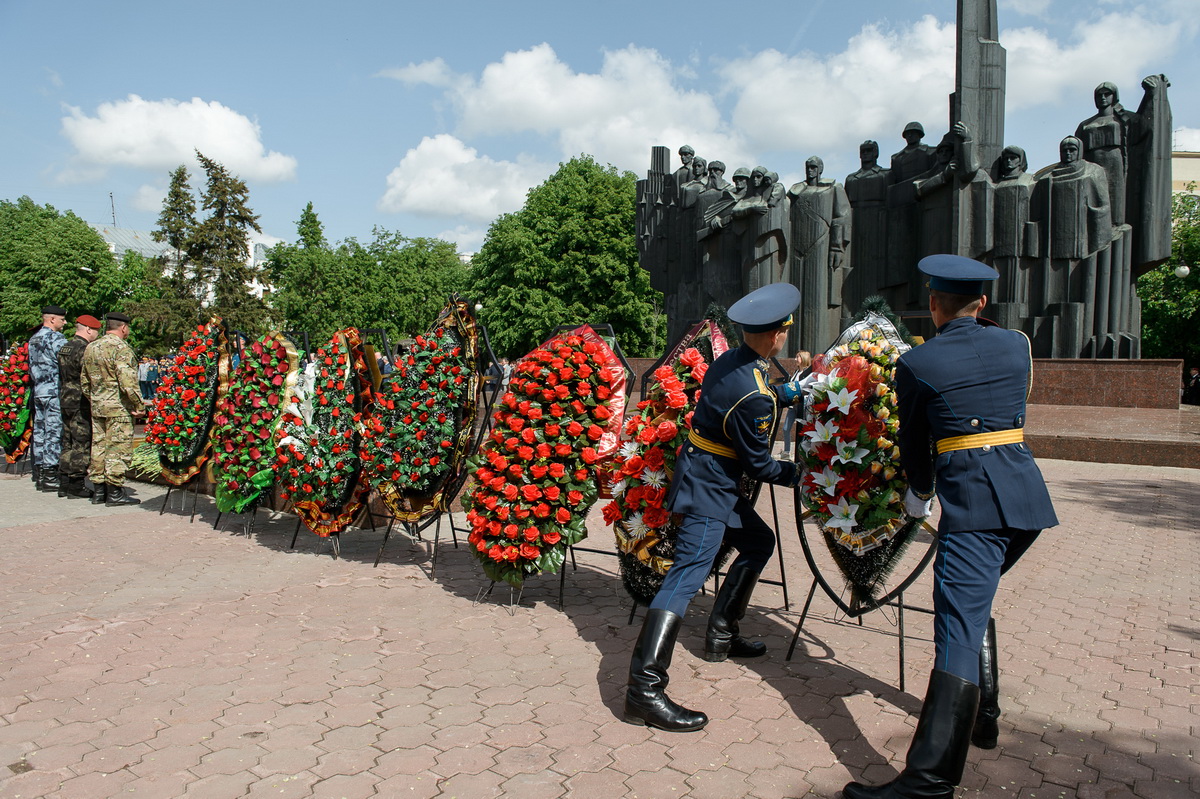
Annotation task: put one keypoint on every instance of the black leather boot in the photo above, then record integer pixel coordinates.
(987, 730)
(100, 495)
(36, 475)
(49, 482)
(646, 700)
(76, 488)
(723, 640)
(117, 497)
(938, 753)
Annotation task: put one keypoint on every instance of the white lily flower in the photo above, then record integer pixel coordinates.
(827, 479)
(822, 432)
(842, 515)
(656, 478)
(849, 452)
(841, 400)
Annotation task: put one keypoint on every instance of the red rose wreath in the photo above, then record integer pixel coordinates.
(535, 477)
(16, 403)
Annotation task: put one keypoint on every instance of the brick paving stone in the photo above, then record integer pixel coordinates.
(201, 650)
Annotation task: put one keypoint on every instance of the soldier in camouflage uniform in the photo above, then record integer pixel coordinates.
(109, 380)
(47, 419)
(76, 411)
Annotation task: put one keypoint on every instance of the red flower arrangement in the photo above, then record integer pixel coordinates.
(16, 400)
(180, 420)
(244, 457)
(318, 463)
(535, 477)
(645, 462)
(424, 416)
(854, 486)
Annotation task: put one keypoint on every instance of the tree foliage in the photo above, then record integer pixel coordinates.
(1170, 304)
(47, 258)
(392, 283)
(569, 256)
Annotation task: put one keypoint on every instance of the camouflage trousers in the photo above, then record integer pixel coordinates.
(47, 432)
(112, 449)
(76, 444)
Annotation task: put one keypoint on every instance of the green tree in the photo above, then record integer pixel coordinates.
(569, 256)
(175, 306)
(220, 244)
(1170, 304)
(46, 258)
(312, 233)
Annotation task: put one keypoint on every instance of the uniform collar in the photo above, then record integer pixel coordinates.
(958, 323)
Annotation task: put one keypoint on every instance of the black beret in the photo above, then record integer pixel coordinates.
(55, 310)
(118, 317)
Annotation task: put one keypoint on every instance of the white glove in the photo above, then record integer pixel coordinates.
(916, 507)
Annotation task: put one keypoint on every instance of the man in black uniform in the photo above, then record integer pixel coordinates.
(76, 411)
(728, 444)
(964, 391)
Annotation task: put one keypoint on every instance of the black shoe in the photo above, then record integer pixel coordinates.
(118, 497)
(49, 481)
(723, 640)
(938, 753)
(987, 729)
(36, 475)
(74, 488)
(646, 701)
(100, 495)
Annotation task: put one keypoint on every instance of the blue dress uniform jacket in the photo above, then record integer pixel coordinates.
(971, 379)
(737, 411)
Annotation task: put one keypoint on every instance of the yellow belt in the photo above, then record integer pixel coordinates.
(708, 445)
(976, 440)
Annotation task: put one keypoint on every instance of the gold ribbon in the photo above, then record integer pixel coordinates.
(708, 445)
(977, 440)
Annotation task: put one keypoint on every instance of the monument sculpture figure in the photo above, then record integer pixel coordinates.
(1069, 242)
(1015, 237)
(866, 191)
(821, 228)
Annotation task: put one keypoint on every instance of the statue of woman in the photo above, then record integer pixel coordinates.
(1105, 138)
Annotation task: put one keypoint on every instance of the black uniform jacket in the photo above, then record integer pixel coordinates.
(737, 412)
(971, 379)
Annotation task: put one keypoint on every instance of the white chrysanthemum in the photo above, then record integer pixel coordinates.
(656, 478)
(636, 526)
(628, 450)
(619, 487)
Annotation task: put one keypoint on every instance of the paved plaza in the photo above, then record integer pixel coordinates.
(145, 656)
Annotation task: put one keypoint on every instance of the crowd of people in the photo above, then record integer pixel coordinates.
(87, 391)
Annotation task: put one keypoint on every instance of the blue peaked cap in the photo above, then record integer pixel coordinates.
(955, 274)
(767, 308)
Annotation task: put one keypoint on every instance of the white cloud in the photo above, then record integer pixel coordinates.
(432, 73)
(161, 135)
(1031, 8)
(1117, 47)
(616, 115)
(441, 176)
(813, 104)
(1187, 139)
(149, 197)
(466, 238)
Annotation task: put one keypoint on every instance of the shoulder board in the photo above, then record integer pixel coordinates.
(762, 382)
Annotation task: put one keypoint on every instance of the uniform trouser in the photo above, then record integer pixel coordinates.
(696, 548)
(47, 432)
(76, 444)
(112, 449)
(966, 572)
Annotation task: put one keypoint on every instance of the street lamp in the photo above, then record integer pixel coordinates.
(479, 305)
(1182, 271)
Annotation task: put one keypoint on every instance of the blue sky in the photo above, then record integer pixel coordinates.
(432, 119)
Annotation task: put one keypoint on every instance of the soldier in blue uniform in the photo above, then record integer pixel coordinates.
(963, 393)
(728, 447)
(47, 418)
